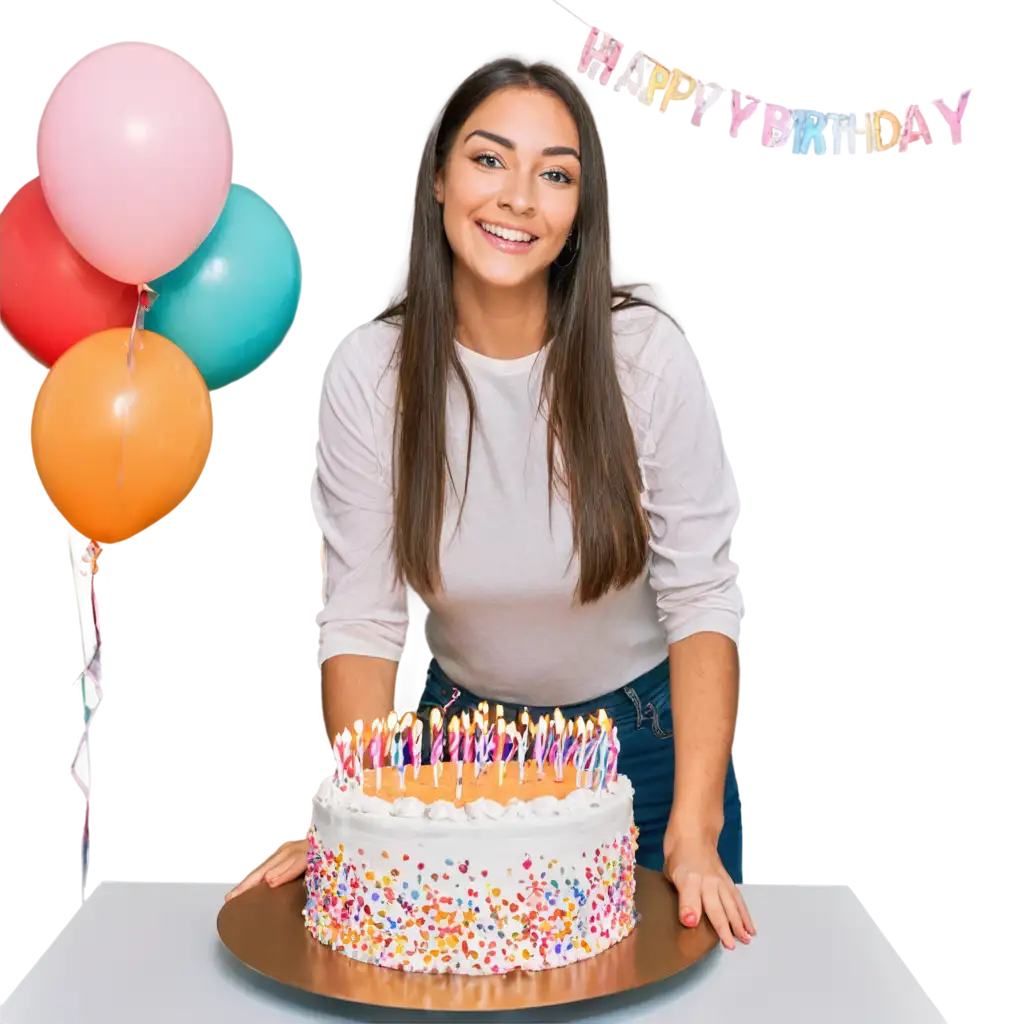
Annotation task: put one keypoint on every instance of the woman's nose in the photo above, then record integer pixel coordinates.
(517, 195)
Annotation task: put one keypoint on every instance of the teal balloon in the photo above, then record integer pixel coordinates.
(230, 304)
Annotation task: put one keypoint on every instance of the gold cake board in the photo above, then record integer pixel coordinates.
(264, 929)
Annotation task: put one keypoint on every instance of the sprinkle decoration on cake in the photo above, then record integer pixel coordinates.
(515, 852)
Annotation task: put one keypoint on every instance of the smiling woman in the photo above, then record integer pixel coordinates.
(537, 215)
(535, 453)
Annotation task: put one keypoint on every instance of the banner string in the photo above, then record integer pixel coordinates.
(587, 23)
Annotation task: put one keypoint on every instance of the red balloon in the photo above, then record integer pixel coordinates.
(50, 298)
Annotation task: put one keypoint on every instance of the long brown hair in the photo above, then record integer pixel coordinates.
(592, 455)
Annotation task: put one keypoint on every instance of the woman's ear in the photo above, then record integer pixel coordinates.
(439, 187)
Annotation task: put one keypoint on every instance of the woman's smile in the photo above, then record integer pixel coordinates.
(505, 239)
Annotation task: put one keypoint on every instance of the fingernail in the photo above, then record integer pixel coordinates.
(730, 945)
(690, 920)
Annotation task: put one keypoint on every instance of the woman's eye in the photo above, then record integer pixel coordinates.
(487, 160)
(560, 177)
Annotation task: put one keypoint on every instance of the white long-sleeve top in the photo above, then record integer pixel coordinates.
(505, 625)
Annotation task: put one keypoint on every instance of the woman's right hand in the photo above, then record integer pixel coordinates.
(287, 863)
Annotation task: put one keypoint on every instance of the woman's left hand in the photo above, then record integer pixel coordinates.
(693, 866)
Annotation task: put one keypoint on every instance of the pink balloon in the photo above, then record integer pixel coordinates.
(134, 154)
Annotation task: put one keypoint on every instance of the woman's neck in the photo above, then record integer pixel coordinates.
(503, 323)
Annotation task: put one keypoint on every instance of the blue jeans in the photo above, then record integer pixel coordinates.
(642, 712)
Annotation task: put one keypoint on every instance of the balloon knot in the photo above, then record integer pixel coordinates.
(90, 559)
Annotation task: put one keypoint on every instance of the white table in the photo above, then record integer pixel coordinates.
(140, 952)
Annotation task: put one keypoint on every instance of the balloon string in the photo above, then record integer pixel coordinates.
(91, 671)
(146, 297)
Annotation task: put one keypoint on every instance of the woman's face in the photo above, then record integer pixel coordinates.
(510, 187)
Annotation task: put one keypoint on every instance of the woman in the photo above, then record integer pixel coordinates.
(535, 453)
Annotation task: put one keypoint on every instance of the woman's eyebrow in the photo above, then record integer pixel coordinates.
(506, 143)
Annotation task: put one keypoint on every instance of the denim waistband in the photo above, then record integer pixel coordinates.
(440, 690)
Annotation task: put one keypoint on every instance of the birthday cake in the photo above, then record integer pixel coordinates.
(489, 862)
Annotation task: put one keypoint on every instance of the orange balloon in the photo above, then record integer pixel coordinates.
(117, 446)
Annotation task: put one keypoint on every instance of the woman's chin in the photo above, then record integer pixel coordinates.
(506, 272)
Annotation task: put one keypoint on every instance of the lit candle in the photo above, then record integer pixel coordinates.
(540, 745)
(417, 748)
(480, 738)
(526, 726)
(501, 750)
(512, 741)
(389, 740)
(466, 728)
(613, 767)
(558, 748)
(453, 752)
(336, 750)
(606, 737)
(493, 753)
(404, 729)
(591, 753)
(377, 747)
(358, 727)
(581, 749)
(436, 743)
(571, 742)
(523, 741)
(346, 756)
(398, 754)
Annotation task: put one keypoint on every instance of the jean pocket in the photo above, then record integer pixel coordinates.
(653, 709)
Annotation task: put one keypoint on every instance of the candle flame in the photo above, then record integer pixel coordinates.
(357, 728)
(559, 721)
(435, 717)
(346, 738)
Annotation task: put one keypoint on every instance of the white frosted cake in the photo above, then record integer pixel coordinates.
(478, 867)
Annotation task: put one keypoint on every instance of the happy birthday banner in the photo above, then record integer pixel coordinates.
(602, 52)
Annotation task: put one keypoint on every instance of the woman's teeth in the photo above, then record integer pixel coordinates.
(507, 233)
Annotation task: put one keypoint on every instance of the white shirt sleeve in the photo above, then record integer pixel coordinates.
(691, 500)
(365, 611)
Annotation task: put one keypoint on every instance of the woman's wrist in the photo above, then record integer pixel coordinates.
(694, 823)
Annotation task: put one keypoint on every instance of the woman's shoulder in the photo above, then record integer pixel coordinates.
(366, 354)
(650, 346)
